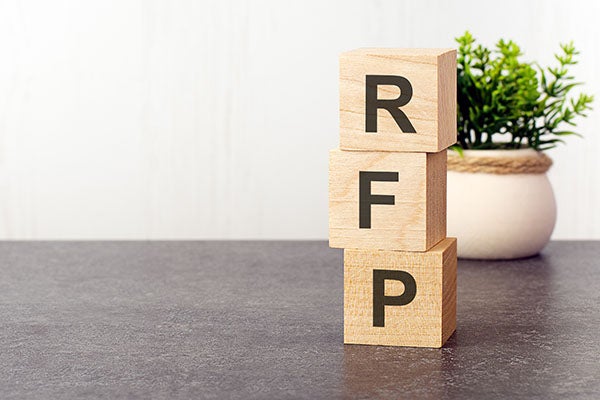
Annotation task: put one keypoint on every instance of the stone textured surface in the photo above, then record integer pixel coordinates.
(254, 320)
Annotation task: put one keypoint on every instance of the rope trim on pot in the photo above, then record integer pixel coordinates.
(537, 164)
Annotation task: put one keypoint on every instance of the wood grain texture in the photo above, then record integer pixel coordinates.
(417, 219)
(431, 109)
(436, 195)
(427, 321)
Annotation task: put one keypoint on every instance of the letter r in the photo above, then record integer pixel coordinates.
(372, 103)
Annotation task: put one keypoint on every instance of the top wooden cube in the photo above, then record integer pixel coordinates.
(398, 99)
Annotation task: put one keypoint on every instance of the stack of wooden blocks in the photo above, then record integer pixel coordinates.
(387, 196)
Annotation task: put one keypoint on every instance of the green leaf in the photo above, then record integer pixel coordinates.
(458, 149)
(501, 95)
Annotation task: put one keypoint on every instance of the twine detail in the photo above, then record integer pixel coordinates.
(534, 164)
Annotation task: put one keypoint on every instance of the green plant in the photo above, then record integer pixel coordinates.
(505, 103)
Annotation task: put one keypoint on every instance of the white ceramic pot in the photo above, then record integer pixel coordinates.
(500, 216)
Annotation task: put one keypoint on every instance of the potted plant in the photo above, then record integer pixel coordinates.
(500, 202)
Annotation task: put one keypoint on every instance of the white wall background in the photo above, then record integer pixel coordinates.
(212, 119)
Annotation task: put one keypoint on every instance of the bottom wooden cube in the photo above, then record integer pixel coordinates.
(399, 298)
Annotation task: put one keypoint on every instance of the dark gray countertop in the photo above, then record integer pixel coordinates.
(263, 320)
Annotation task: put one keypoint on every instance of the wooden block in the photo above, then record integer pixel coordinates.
(387, 200)
(396, 298)
(398, 99)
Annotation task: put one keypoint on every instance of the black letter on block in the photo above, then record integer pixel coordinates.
(380, 300)
(366, 198)
(393, 106)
